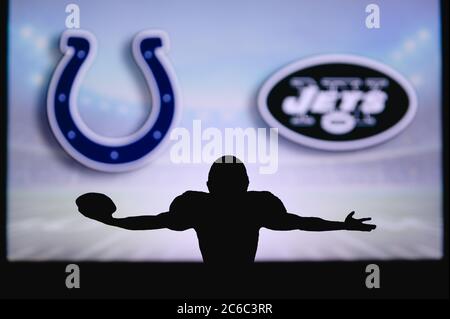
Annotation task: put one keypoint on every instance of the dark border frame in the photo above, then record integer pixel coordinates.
(4, 9)
(292, 280)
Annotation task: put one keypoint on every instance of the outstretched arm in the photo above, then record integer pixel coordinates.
(100, 207)
(162, 220)
(145, 222)
(288, 221)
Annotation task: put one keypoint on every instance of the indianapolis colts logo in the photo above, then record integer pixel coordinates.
(99, 152)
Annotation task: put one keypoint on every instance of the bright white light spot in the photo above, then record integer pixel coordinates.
(37, 79)
(410, 45)
(416, 79)
(424, 34)
(26, 32)
(41, 43)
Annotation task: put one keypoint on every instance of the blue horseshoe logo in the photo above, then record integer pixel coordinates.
(103, 153)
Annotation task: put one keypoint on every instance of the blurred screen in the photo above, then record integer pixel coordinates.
(221, 54)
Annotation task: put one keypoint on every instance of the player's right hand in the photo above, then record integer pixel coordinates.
(96, 206)
(358, 224)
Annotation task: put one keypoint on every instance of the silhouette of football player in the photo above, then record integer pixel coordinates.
(227, 220)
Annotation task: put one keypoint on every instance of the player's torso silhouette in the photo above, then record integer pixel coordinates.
(228, 226)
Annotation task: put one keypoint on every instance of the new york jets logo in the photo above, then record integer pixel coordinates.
(337, 102)
(149, 49)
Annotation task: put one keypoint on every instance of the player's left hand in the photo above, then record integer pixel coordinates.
(358, 224)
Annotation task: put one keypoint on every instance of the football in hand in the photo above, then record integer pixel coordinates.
(96, 206)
